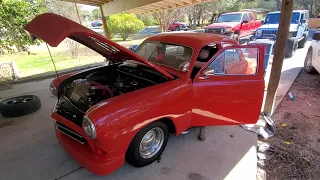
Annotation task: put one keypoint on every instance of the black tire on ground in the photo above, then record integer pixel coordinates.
(303, 42)
(308, 68)
(177, 28)
(19, 106)
(292, 45)
(235, 37)
(133, 155)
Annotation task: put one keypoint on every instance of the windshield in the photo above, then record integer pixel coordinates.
(275, 17)
(229, 18)
(169, 55)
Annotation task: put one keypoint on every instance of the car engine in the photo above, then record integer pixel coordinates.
(78, 95)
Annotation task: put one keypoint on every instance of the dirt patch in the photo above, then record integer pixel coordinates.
(295, 150)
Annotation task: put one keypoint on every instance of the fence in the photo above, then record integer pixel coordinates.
(314, 23)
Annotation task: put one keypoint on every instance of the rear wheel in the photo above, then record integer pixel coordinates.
(303, 42)
(291, 48)
(177, 28)
(308, 68)
(148, 145)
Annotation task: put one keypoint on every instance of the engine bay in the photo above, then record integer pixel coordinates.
(78, 93)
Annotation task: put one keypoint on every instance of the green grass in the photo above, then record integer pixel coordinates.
(39, 61)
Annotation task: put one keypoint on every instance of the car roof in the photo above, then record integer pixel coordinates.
(276, 12)
(240, 12)
(190, 39)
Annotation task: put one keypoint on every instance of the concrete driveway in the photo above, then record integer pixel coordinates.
(29, 149)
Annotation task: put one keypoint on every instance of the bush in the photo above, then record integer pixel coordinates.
(147, 19)
(124, 24)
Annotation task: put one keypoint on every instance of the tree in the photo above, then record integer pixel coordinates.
(67, 10)
(147, 19)
(96, 14)
(164, 17)
(124, 24)
(14, 16)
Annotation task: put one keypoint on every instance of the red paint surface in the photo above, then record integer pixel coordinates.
(218, 100)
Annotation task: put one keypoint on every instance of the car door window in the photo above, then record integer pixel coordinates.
(245, 17)
(171, 55)
(237, 61)
(251, 17)
(146, 49)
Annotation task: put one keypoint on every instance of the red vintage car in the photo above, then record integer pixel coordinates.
(124, 111)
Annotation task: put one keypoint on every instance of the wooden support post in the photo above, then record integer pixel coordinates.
(282, 37)
(104, 22)
(75, 4)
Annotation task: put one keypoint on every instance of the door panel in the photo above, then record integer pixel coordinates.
(232, 94)
(245, 26)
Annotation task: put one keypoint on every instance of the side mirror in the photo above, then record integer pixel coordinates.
(262, 22)
(316, 36)
(184, 67)
(206, 73)
(303, 21)
(245, 21)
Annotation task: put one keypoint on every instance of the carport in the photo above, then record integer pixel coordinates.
(227, 153)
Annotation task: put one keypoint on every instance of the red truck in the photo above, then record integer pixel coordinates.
(237, 25)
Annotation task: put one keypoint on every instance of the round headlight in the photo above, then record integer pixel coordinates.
(89, 128)
(53, 89)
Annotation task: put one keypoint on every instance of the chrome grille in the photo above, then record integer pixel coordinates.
(214, 30)
(70, 133)
(267, 32)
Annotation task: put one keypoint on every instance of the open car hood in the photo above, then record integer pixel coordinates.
(53, 29)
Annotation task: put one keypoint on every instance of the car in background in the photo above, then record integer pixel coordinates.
(312, 60)
(150, 30)
(97, 23)
(298, 31)
(177, 26)
(269, 45)
(237, 25)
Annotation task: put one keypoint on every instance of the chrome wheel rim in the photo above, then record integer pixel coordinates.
(151, 143)
(18, 100)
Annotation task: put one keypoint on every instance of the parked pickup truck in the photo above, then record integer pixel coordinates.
(298, 30)
(237, 25)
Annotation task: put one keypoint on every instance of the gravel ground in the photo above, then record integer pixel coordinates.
(295, 150)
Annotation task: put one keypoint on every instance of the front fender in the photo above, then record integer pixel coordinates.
(118, 119)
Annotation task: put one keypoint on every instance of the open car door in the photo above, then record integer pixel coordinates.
(230, 88)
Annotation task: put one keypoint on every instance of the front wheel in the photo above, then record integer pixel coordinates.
(308, 68)
(148, 145)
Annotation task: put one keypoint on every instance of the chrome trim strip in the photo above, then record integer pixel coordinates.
(57, 128)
